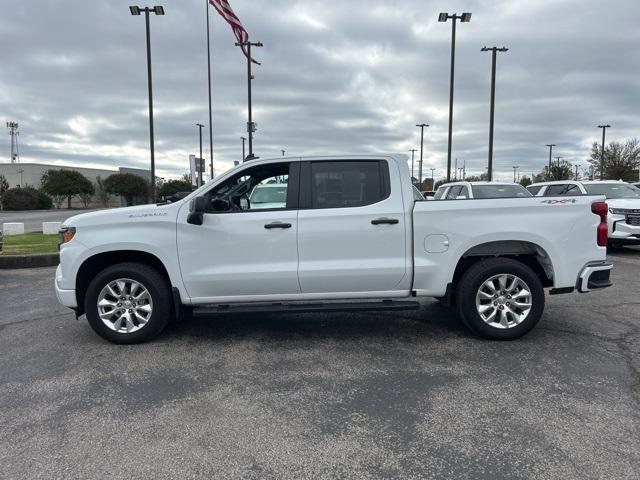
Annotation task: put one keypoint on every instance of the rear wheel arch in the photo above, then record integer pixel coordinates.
(97, 263)
(528, 253)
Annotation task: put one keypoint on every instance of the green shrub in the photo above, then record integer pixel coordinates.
(26, 198)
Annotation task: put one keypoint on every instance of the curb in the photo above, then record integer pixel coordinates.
(29, 261)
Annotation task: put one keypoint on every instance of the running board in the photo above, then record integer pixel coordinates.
(385, 305)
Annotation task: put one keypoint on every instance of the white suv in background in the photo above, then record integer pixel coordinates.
(466, 190)
(623, 200)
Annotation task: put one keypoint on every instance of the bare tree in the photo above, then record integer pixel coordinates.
(101, 192)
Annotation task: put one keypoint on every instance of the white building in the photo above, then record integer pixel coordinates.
(30, 175)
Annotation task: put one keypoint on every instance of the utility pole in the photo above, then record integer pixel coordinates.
(200, 160)
(422, 127)
(413, 151)
(514, 173)
(13, 131)
(251, 126)
(456, 170)
(158, 10)
(493, 51)
(243, 140)
(604, 129)
(576, 173)
(209, 79)
(443, 17)
(550, 145)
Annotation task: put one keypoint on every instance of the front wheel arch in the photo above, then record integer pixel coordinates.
(97, 263)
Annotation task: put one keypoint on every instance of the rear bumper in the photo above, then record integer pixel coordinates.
(594, 276)
(65, 297)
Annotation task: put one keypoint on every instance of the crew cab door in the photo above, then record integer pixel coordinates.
(244, 248)
(351, 227)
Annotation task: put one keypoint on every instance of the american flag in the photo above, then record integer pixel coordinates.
(225, 11)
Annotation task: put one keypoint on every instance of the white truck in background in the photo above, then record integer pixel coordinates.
(349, 236)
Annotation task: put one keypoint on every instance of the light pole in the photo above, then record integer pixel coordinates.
(413, 151)
(558, 159)
(432, 184)
(200, 162)
(422, 126)
(158, 10)
(494, 51)
(243, 140)
(251, 127)
(282, 152)
(515, 167)
(604, 129)
(576, 172)
(443, 17)
(209, 84)
(550, 145)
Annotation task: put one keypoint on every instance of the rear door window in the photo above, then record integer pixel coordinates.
(344, 184)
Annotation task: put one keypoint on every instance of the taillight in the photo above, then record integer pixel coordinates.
(601, 209)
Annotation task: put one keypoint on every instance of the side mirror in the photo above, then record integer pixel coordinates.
(197, 207)
(220, 205)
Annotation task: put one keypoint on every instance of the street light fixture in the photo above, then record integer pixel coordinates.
(493, 51)
(604, 129)
(158, 10)
(443, 17)
(422, 126)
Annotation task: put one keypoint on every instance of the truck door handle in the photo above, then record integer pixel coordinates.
(269, 226)
(379, 221)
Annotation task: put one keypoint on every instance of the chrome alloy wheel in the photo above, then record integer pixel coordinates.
(125, 305)
(504, 301)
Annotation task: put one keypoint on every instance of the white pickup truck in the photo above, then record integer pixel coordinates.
(350, 236)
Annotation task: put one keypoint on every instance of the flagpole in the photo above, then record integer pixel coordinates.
(209, 78)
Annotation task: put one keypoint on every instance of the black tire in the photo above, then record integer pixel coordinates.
(158, 289)
(471, 282)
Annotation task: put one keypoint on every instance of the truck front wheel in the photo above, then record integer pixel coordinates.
(128, 303)
(500, 298)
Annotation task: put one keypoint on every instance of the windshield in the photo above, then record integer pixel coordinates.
(613, 190)
(275, 194)
(500, 191)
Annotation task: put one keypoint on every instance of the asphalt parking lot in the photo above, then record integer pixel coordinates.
(409, 395)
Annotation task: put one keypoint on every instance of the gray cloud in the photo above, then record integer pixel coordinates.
(336, 77)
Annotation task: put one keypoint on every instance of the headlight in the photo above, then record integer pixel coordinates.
(618, 211)
(66, 235)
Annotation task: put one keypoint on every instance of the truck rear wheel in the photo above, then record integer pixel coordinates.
(500, 298)
(128, 303)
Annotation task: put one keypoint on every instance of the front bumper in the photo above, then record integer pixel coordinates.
(594, 276)
(65, 297)
(621, 230)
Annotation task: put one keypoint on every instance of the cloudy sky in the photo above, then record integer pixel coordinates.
(336, 77)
